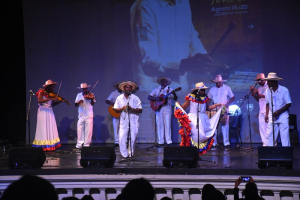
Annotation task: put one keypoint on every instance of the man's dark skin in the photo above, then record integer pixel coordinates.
(254, 92)
(127, 93)
(277, 113)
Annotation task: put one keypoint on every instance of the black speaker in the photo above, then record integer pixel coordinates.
(275, 157)
(98, 157)
(24, 157)
(180, 157)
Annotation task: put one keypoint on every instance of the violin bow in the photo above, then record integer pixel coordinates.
(59, 88)
(94, 85)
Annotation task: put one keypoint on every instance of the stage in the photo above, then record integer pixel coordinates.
(219, 166)
(148, 160)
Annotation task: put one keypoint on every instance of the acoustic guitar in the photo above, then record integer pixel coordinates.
(112, 112)
(156, 105)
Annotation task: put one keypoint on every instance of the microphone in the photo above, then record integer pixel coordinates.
(30, 91)
(271, 89)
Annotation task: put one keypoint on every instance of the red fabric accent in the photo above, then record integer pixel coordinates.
(208, 147)
(184, 123)
(52, 148)
(42, 91)
(189, 97)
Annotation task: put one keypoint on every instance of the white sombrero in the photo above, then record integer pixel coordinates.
(218, 78)
(260, 77)
(49, 82)
(83, 85)
(272, 77)
(159, 79)
(131, 83)
(200, 86)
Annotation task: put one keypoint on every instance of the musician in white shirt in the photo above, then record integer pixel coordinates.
(259, 95)
(130, 106)
(279, 96)
(164, 112)
(85, 102)
(116, 121)
(222, 93)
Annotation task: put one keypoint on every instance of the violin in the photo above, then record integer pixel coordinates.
(59, 98)
(89, 96)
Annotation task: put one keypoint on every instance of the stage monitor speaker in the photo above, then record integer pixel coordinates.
(275, 157)
(26, 157)
(98, 157)
(180, 157)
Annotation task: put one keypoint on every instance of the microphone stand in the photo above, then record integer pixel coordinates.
(28, 117)
(248, 113)
(238, 123)
(272, 116)
(130, 159)
(155, 132)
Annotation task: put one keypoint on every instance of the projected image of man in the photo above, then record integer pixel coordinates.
(165, 41)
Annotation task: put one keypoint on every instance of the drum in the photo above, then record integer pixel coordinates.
(223, 118)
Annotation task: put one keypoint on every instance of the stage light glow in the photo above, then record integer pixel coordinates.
(234, 110)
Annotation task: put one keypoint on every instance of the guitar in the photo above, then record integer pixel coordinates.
(156, 105)
(112, 112)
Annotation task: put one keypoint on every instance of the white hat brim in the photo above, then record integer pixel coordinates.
(131, 83)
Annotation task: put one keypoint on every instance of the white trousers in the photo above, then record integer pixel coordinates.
(84, 131)
(163, 124)
(125, 149)
(116, 124)
(262, 128)
(225, 132)
(283, 128)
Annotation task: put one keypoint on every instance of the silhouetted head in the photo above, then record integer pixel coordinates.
(30, 187)
(251, 191)
(138, 189)
(207, 191)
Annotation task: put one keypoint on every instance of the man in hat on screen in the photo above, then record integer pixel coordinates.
(164, 112)
(85, 102)
(278, 115)
(259, 95)
(111, 99)
(130, 106)
(222, 93)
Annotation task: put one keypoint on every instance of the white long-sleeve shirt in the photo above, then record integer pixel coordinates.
(163, 33)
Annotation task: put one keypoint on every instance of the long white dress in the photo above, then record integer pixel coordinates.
(46, 135)
(207, 126)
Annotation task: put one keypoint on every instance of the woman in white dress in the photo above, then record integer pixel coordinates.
(197, 101)
(46, 135)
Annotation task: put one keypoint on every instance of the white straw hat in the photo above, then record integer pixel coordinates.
(83, 85)
(260, 76)
(272, 77)
(49, 82)
(218, 78)
(131, 83)
(200, 85)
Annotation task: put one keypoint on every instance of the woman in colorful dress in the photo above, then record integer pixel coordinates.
(197, 100)
(46, 135)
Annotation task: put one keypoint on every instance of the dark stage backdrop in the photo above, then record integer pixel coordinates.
(76, 41)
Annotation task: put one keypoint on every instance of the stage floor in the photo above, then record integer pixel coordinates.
(148, 160)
